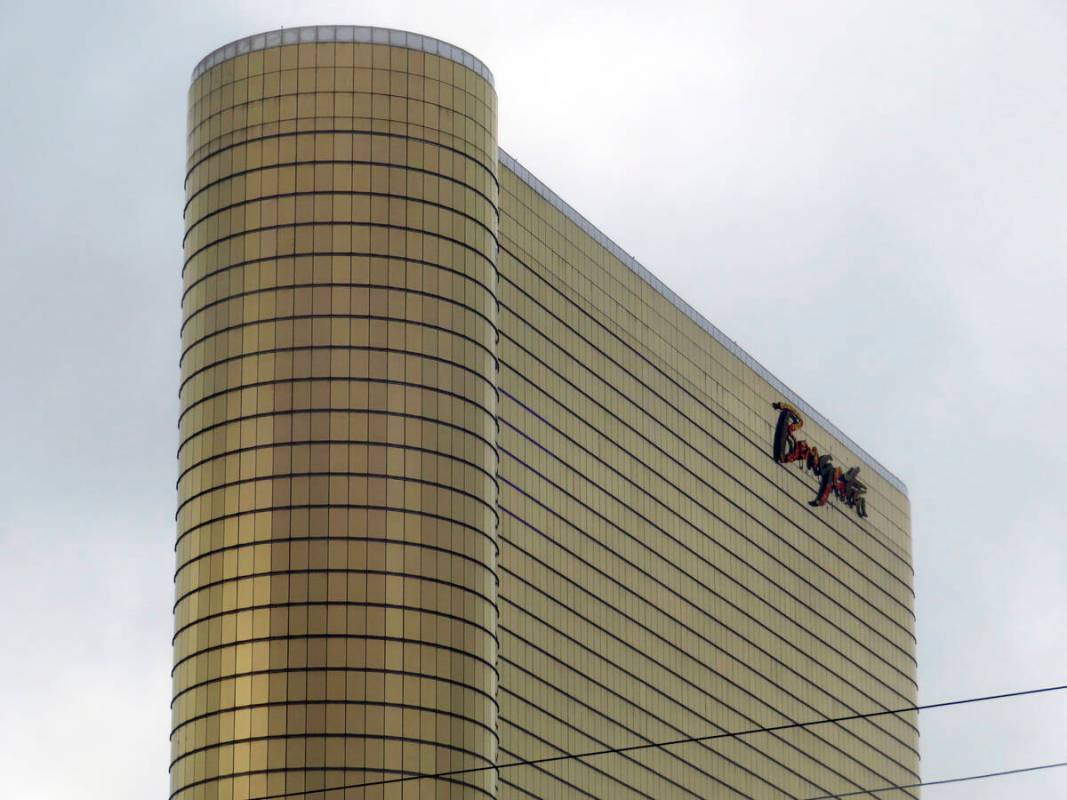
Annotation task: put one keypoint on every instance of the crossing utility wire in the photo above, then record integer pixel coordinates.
(712, 737)
(940, 782)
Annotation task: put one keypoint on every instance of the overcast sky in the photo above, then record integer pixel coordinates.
(871, 198)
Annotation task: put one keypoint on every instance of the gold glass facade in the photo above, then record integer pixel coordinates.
(460, 484)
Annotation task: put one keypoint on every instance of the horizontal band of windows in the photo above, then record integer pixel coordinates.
(311, 348)
(205, 493)
(223, 335)
(339, 540)
(474, 453)
(325, 637)
(422, 420)
(391, 292)
(207, 407)
(386, 63)
(471, 403)
(355, 112)
(489, 361)
(294, 226)
(209, 104)
(327, 411)
(215, 326)
(333, 409)
(348, 377)
(249, 204)
(191, 588)
(341, 442)
(362, 119)
(686, 521)
(348, 541)
(310, 486)
(198, 159)
(340, 501)
(692, 631)
(352, 162)
(383, 704)
(309, 558)
(317, 193)
(435, 296)
(384, 444)
(419, 146)
(481, 456)
(327, 603)
(372, 774)
(348, 254)
(717, 569)
(609, 334)
(491, 538)
(392, 81)
(368, 106)
(707, 747)
(452, 683)
(442, 504)
(218, 677)
(688, 444)
(754, 696)
(355, 106)
(188, 621)
(349, 230)
(345, 179)
(309, 243)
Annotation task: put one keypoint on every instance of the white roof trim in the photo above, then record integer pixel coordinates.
(342, 33)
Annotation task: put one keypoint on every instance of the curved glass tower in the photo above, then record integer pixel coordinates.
(461, 483)
(336, 584)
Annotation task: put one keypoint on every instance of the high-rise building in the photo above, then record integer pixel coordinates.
(461, 483)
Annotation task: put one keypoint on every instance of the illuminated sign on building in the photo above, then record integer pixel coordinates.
(832, 480)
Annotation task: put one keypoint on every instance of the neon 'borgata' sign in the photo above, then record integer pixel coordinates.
(845, 485)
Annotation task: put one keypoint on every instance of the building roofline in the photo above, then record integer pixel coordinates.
(308, 34)
(567, 210)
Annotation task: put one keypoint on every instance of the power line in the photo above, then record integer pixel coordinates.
(713, 737)
(941, 782)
